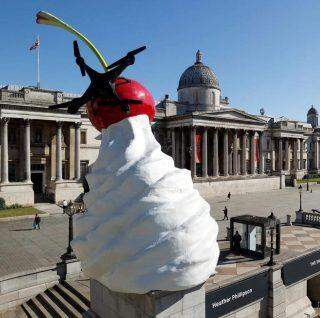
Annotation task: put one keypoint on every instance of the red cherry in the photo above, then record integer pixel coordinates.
(103, 115)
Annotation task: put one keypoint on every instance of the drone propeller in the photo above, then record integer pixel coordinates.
(79, 58)
(129, 55)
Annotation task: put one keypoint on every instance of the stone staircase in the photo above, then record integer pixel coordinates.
(68, 299)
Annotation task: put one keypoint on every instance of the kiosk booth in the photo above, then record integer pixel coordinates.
(249, 234)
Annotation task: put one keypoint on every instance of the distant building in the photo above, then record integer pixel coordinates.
(217, 142)
(44, 152)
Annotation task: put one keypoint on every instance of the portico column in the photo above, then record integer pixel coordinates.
(244, 153)
(280, 156)
(316, 155)
(287, 155)
(272, 155)
(225, 153)
(183, 154)
(4, 150)
(215, 153)
(77, 151)
(173, 145)
(58, 152)
(27, 154)
(205, 153)
(261, 154)
(235, 153)
(295, 154)
(252, 153)
(301, 154)
(193, 151)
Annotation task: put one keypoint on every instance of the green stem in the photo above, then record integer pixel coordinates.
(59, 23)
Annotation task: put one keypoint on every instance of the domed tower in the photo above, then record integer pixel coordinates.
(199, 87)
(312, 117)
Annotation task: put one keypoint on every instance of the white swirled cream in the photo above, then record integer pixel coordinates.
(146, 227)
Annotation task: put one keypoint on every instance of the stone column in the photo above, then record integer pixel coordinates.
(272, 155)
(215, 153)
(235, 153)
(77, 151)
(193, 150)
(173, 145)
(4, 150)
(205, 153)
(295, 154)
(183, 154)
(287, 155)
(315, 154)
(244, 153)
(261, 154)
(225, 153)
(252, 153)
(280, 156)
(301, 154)
(27, 153)
(58, 152)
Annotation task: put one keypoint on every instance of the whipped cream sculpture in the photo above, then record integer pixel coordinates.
(146, 228)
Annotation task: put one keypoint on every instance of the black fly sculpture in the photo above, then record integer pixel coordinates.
(102, 84)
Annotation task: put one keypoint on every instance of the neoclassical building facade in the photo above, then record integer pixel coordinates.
(217, 142)
(44, 153)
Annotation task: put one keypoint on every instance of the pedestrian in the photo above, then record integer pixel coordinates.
(225, 211)
(236, 242)
(64, 206)
(36, 222)
(229, 196)
(311, 190)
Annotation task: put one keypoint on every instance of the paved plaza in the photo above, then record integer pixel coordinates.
(282, 202)
(23, 249)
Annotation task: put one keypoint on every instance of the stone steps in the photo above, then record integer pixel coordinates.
(67, 299)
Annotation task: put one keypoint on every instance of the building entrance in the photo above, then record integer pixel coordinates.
(37, 179)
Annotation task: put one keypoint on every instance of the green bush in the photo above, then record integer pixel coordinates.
(14, 206)
(2, 204)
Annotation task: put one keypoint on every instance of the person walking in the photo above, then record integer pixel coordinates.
(229, 196)
(225, 211)
(36, 222)
(236, 242)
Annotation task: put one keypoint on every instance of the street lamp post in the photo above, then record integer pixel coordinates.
(272, 225)
(70, 210)
(300, 192)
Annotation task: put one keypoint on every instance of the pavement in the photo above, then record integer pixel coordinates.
(49, 208)
(23, 249)
(281, 202)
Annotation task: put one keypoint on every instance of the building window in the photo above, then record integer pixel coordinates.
(84, 168)
(38, 135)
(12, 137)
(83, 137)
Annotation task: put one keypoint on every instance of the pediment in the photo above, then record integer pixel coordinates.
(234, 114)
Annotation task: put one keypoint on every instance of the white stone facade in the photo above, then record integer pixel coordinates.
(44, 153)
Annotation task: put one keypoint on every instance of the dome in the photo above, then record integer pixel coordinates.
(198, 75)
(312, 111)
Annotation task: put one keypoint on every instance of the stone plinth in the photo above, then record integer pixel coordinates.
(65, 190)
(17, 192)
(108, 304)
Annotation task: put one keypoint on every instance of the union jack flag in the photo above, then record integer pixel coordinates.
(35, 45)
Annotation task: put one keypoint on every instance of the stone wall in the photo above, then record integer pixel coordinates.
(16, 192)
(221, 188)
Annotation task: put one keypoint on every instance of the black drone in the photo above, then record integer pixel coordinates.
(102, 84)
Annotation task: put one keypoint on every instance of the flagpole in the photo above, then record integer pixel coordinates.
(38, 64)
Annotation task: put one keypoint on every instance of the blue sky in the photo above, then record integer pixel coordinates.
(264, 53)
